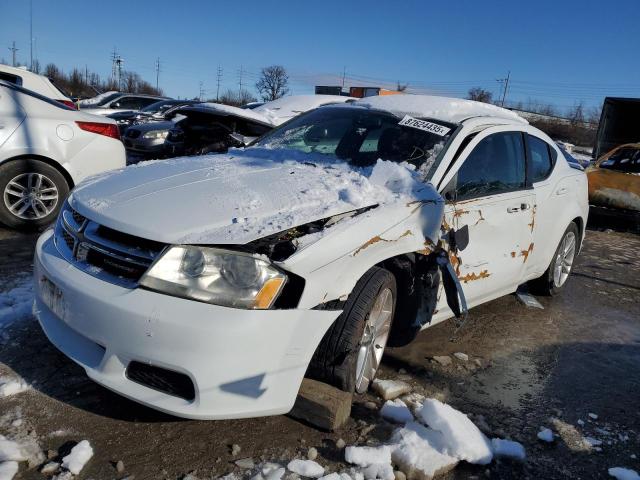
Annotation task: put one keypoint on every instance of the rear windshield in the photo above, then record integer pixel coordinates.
(362, 136)
(626, 159)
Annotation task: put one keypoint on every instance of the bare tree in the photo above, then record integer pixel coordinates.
(480, 95)
(273, 83)
(576, 113)
(231, 97)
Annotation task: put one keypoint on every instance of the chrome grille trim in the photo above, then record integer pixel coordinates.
(79, 241)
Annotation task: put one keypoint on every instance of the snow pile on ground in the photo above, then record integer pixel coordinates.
(508, 448)
(78, 457)
(433, 445)
(8, 470)
(11, 451)
(462, 438)
(306, 468)
(545, 435)
(16, 303)
(396, 411)
(10, 386)
(624, 473)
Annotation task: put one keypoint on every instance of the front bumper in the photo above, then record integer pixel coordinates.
(242, 363)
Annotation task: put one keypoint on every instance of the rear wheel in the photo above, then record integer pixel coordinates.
(32, 193)
(555, 277)
(350, 352)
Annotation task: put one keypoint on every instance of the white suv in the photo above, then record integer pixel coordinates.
(208, 286)
(45, 149)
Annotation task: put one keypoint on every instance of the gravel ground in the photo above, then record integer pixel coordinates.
(527, 368)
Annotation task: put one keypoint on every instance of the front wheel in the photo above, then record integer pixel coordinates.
(350, 352)
(555, 277)
(32, 193)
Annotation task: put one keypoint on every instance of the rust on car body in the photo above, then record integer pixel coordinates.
(470, 277)
(525, 253)
(615, 182)
(377, 239)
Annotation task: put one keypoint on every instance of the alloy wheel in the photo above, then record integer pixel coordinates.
(564, 259)
(374, 338)
(31, 196)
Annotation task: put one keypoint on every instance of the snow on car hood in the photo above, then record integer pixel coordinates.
(239, 197)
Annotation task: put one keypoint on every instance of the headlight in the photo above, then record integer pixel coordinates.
(212, 275)
(161, 134)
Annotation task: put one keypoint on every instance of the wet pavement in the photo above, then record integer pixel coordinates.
(527, 368)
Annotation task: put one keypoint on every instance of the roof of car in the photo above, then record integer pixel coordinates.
(454, 110)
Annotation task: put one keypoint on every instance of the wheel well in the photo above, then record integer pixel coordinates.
(48, 161)
(580, 224)
(417, 282)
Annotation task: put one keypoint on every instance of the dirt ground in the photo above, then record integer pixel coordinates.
(534, 368)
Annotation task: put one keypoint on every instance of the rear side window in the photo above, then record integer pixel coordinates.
(496, 165)
(540, 159)
(134, 103)
(7, 77)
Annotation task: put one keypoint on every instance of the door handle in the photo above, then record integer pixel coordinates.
(513, 209)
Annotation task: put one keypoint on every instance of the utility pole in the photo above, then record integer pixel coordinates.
(157, 72)
(201, 94)
(344, 74)
(119, 62)
(13, 50)
(240, 83)
(505, 86)
(31, 34)
(218, 83)
(114, 57)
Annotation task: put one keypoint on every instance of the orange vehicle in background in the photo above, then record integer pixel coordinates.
(614, 179)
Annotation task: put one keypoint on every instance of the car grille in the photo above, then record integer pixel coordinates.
(100, 251)
(133, 133)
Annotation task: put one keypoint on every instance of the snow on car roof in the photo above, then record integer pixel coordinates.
(230, 110)
(282, 109)
(454, 110)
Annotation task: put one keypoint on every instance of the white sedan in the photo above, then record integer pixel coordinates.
(45, 149)
(208, 287)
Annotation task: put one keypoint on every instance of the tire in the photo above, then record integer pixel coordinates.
(31, 193)
(550, 283)
(338, 359)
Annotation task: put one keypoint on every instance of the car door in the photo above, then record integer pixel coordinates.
(486, 193)
(11, 113)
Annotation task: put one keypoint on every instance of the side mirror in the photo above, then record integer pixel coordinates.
(459, 239)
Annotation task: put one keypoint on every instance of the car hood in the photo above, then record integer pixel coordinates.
(230, 199)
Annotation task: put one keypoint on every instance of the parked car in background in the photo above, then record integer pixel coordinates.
(121, 102)
(213, 127)
(152, 113)
(614, 179)
(99, 98)
(208, 287)
(36, 83)
(46, 148)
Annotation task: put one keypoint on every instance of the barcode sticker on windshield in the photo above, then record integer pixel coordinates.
(408, 121)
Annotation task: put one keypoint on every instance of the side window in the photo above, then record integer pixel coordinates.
(496, 165)
(134, 103)
(540, 160)
(7, 77)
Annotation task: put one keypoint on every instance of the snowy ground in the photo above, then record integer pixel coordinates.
(521, 393)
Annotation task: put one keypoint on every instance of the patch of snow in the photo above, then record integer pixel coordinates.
(390, 389)
(16, 303)
(508, 448)
(594, 442)
(8, 470)
(11, 451)
(280, 110)
(462, 439)
(546, 435)
(381, 471)
(580, 422)
(624, 473)
(417, 451)
(593, 416)
(10, 386)
(365, 456)
(306, 468)
(78, 457)
(396, 411)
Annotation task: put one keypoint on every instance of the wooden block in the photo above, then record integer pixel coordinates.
(322, 405)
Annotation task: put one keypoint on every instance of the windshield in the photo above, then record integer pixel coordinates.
(361, 136)
(160, 106)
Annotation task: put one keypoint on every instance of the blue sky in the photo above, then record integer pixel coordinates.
(558, 52)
